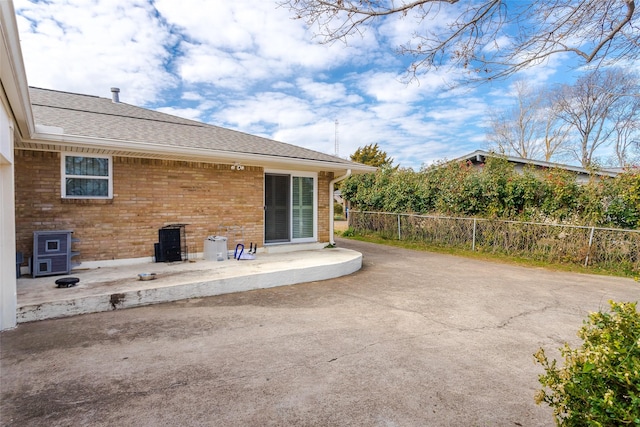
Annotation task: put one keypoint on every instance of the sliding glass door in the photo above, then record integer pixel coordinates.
(290, 207)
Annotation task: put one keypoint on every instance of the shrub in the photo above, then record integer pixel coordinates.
(624, 210)
(337, 209)
(349, 232)
(599, 384)
(560, 194)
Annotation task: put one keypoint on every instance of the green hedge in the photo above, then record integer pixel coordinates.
(496, 190)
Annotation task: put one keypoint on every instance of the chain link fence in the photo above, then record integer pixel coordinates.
(568, 244)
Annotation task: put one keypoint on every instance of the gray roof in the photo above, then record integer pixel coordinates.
(97, 117)
(479, 156)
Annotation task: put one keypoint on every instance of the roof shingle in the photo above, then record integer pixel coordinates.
(97, 117)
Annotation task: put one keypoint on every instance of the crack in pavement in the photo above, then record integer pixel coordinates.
(450, 325)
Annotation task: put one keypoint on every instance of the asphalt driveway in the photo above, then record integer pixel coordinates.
(413, 339)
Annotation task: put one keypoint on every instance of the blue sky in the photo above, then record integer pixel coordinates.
(246, 65)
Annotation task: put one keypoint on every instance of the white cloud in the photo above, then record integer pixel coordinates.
(237, 44)
(325, 93)
(387, 87)
(541, 73)
(497, 44)
(207, 64)
(390, 111)
(401, 29)
(453, 115)
(245, 64)
(89, 46)
(267, 108)
(192, 96)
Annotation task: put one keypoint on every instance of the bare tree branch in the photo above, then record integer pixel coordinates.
(590, 107)
(531, 129)
(490, 38)
(626, 117)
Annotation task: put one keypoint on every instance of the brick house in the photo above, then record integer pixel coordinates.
(115, 174)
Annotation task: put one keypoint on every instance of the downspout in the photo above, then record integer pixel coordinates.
(331, 185)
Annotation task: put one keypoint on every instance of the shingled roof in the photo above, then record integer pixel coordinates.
(97, 118)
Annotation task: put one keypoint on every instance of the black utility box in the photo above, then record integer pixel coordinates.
(171, 244)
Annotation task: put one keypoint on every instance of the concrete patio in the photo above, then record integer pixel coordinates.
(111, 288)
(411, 339)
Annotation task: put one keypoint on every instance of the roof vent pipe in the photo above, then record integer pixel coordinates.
(115, 97)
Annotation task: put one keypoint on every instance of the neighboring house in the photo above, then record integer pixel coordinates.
(479, 157)
(115, 174)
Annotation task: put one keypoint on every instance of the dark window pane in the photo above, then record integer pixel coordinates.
(277, 208)
(87, 187)
(90, 166)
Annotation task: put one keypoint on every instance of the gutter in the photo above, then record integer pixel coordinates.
(331, 185)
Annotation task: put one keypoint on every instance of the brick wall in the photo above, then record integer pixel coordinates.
(147, 195)
(323, 205)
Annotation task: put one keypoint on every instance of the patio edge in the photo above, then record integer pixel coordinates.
(284, 276)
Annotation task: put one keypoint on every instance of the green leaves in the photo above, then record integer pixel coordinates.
(599, 384)
(495, 190)
(371, 155)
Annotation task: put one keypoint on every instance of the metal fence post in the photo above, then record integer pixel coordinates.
(586, 259)
(399, 234)
(473, 243)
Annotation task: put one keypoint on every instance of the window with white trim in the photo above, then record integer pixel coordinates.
(87, 177)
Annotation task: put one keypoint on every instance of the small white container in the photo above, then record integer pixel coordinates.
(214, 247)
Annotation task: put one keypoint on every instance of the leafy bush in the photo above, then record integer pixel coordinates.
(349, 232)
(624, 209)
(599, 384)
(496, 190)
(337, 209)
(560, 194)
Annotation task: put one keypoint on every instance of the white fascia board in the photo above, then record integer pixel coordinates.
(12, 72)
(207, 155)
